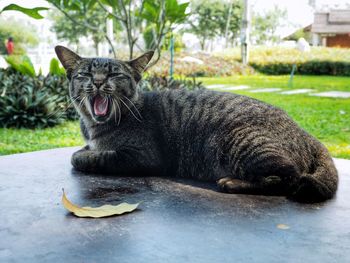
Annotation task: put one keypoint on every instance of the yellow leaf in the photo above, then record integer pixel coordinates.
(101, 211)
(282, 226)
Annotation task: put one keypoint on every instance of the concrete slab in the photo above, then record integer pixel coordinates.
(333, 94)
(265, 90)
(240, 87)
(216, 86)
(178, 220)
(297, 91)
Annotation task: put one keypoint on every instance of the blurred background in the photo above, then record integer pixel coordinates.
(292, 54)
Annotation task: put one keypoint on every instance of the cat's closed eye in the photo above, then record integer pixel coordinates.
(117, 75)
(83, 75)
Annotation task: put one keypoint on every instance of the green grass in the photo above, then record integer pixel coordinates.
(25, 140)
(320, 83)
(325, 118)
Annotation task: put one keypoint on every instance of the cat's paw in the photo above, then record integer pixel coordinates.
(234, 186)
(84, 160)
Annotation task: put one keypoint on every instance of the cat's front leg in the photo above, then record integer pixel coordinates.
(86, 160)
(125, 162)
(80, 159)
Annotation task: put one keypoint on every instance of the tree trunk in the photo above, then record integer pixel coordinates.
(96, 48)
(228, 24)
(202, 44)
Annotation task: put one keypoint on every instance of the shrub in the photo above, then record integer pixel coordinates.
(21, 64)
(280, 60)
(213, 66)
(161, 83)
(33, 101)
(29, 108)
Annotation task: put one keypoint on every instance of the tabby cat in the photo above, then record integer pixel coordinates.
(245, 145)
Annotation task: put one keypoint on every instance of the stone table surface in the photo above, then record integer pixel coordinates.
(178, 220)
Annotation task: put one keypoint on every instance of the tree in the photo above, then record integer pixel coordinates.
(264, 25)
(133, 15)
(71, 31)
(231, 21)
(23, 35)
(214, 18)
(66, 29)
(158, 17)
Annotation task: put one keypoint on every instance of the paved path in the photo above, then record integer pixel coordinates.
(311, 92)
(178, 220)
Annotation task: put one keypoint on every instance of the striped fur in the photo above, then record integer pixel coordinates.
(244, 145)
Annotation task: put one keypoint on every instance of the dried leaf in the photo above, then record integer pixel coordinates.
(282, 226)
(96, 212)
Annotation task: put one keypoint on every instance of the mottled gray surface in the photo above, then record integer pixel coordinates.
(178, 220)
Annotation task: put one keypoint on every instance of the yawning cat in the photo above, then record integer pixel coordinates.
(243, 144)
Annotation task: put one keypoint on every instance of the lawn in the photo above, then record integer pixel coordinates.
(25, 140)
(325, 118)
(320, 83)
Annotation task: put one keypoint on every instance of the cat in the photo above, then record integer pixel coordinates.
(244, 145)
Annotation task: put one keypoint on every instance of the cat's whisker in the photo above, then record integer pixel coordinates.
(133, 106)
(120, 113)
(115, 105)
(81, 102)
(126, 105)
(114, 109)
(66, 108)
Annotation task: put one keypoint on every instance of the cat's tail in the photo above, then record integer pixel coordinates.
(320, 183)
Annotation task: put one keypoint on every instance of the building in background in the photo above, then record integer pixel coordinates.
(331, 29)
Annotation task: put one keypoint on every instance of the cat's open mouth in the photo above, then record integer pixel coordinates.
(100, 106)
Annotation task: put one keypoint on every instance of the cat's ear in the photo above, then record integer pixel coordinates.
(68, 58)
(139, 64)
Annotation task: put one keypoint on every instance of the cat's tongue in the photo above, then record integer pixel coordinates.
(100, 105)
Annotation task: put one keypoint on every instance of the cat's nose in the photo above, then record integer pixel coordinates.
(98, 82)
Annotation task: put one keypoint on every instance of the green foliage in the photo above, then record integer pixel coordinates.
(152, 13)
(264, 25)
(209, 19)
(178, 44)
(32, 12)
(212, 66)
(280, 60)
(29, 108)
(162, 83)
(305, 68)
(173, 11)
(319, 61)
(148, 37)
(75, 5)
(58, 85)
(22, 64)
(300, 34)
(88, 14)
(33, 101)
(55, 68)
(22, 35)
